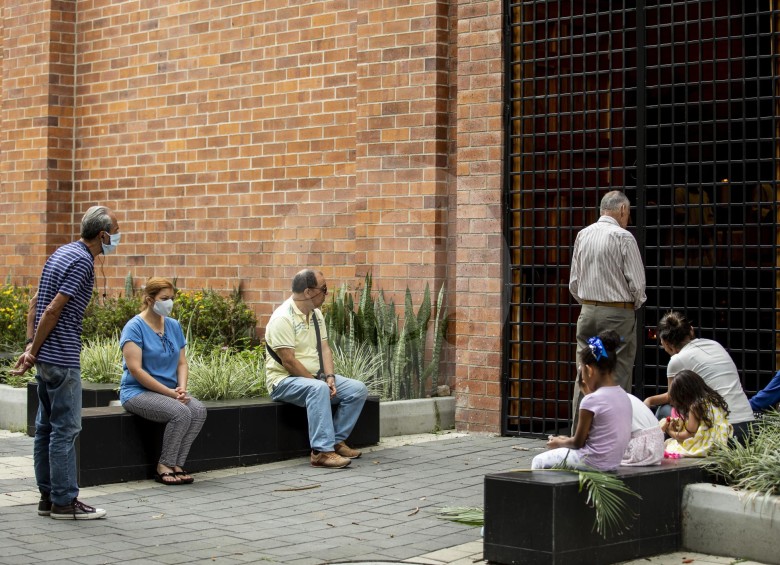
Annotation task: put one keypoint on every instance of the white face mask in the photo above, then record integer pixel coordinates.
(109, 248)
(163, 307)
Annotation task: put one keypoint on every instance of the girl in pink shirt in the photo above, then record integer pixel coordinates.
(604, 422)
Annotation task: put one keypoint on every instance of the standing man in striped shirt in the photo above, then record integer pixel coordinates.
(54, 347)
(608, 279)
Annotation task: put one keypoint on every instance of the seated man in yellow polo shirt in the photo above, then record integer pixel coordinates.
(301, 373)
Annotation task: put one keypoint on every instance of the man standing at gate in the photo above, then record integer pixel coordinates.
(608, 279)
(299, 370)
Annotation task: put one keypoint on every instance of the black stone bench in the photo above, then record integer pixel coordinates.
(116, 446)
(540, 517)
(92, 394)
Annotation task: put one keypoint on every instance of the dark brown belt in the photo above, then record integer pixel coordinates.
(624, 305)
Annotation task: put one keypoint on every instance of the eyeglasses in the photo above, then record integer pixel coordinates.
(323, 289)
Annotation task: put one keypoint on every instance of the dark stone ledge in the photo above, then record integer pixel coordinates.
(541, 517)
(116, 446)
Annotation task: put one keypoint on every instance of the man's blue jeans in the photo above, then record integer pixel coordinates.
(56, 427)
(325, 429)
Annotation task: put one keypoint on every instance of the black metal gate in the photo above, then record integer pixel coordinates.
(676, 102)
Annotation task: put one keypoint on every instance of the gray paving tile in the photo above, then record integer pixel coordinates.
(384, 508)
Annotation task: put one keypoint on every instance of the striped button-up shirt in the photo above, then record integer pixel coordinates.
(606, 265)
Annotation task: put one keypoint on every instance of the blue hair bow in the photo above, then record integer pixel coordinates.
(597, 348)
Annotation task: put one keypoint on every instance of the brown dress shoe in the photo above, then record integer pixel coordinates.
(345, 451)
(329, 459)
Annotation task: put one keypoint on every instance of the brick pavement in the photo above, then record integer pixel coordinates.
(382, 508)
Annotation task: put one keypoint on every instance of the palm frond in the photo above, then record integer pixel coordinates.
(604, 495)
(469, 515)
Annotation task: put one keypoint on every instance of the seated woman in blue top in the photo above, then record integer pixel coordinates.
(154, 382)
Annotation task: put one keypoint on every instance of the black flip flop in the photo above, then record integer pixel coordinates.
(158, 477)
(184, 481)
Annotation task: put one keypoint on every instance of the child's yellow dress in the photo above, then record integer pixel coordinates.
(705, 438)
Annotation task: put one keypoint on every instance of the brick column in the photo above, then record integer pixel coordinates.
(402, 159)
(36, 147)
(479, 231)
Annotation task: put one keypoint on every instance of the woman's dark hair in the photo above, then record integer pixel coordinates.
(674, 329)
(607, 361)
(689, 393)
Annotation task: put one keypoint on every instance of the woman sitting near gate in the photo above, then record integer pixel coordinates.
(604, 422)
(154, 382)
(709, 360)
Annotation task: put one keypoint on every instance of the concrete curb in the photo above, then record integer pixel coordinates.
(423, 415)
(13, 408)
(718, 520)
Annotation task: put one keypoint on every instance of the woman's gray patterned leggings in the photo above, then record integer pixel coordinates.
(184, 423)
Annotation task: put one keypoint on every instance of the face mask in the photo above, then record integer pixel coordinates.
(111, 247)
(163, 307)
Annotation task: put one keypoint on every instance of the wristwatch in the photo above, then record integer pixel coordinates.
(325, 377)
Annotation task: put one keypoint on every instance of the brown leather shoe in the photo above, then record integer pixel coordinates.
(345, 451)
(329, 459)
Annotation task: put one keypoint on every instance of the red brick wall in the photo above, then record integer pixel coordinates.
(403, 158)
(240, 141)
(478, 232)
(223, 132)
(36, 143)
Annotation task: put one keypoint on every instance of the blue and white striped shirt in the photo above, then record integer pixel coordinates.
(70, 271)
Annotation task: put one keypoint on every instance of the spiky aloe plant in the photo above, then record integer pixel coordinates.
(440, 323)
(403, 369)
(386, 339)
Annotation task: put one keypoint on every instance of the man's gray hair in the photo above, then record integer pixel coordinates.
(95, 220)
(613, 200)
(306, 278)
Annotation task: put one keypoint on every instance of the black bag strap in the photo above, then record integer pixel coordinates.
(272, 353)
(276, 358)
(321, 372)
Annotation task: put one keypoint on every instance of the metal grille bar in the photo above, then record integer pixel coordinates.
(674, 102)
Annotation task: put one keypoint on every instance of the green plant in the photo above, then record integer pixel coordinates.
(101, 360)
(129, 290)
(14, 380)
(606, 494)
(107, 319)
(755, 465)
(225, 374)
(216, 320)
(359, 362)
(14, 305)
(469, 515)
(405, 371)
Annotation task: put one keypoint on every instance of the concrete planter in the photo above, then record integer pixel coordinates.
(718, 520)
(13, 408)
(419, 416)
